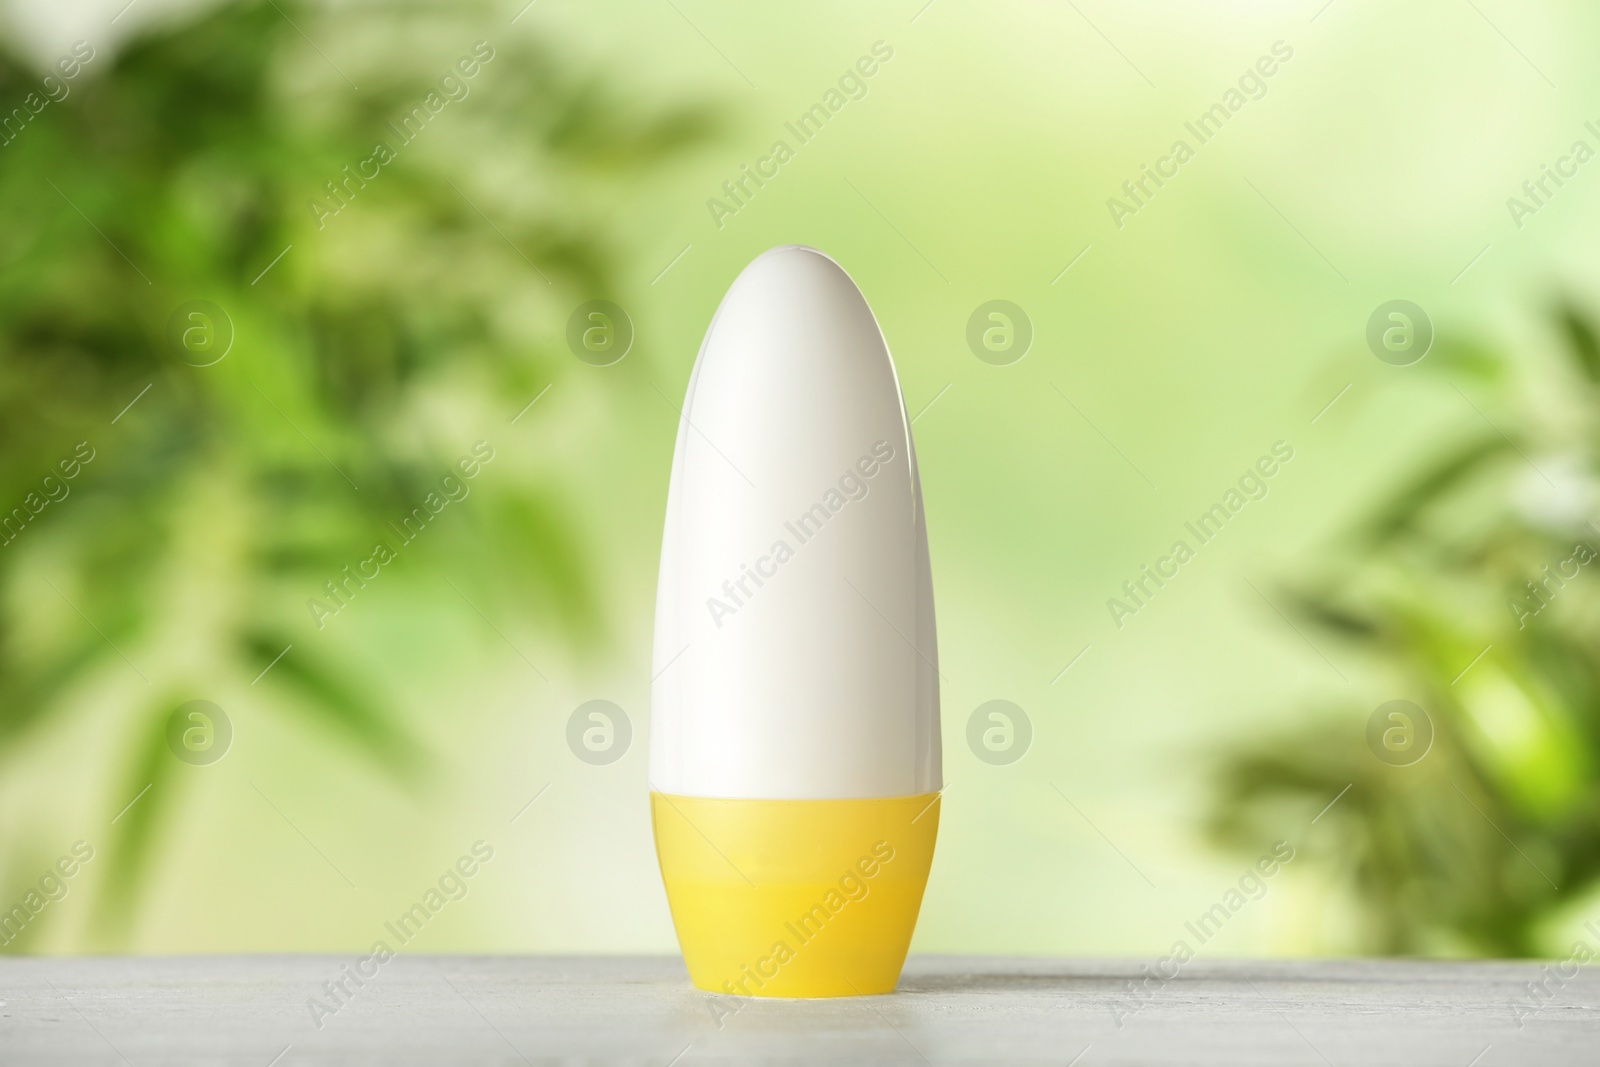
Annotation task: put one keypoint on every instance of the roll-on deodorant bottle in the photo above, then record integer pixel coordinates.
(794, 730)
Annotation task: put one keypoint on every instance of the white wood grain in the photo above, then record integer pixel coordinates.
(246, 1010)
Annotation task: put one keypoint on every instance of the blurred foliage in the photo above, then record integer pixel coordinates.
(1486, 549)
(382, 344)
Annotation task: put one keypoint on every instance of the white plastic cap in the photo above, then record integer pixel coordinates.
(795, 654)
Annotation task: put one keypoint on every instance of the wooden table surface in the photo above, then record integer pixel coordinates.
(257, 1011)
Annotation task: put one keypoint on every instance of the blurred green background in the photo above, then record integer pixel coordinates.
(371, 348)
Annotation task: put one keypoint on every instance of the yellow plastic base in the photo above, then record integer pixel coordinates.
(795, 898)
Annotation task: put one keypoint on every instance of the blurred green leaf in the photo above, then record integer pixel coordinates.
(371, 347)
(1402, 510)
(1582, 340)
(1471, 844)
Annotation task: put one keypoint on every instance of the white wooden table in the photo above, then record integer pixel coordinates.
(252, 1011)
